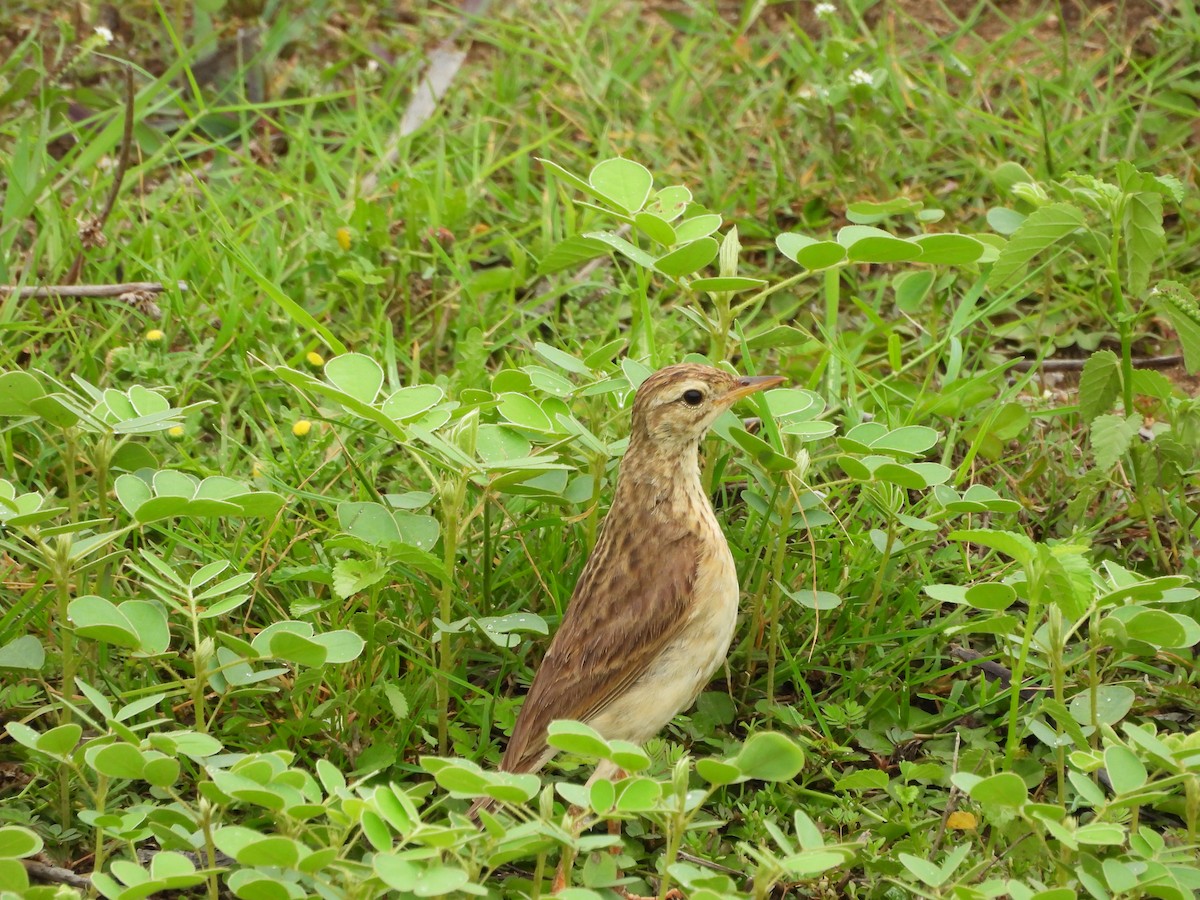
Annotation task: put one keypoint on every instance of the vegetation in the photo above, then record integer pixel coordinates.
(281, 545)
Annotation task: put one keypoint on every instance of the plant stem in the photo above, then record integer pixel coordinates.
(785, 516)
(59, 554)
(445, 609)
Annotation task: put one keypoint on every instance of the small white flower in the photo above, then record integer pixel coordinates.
(824, 10)
(860, 77)
(372, 66)
(104, 33)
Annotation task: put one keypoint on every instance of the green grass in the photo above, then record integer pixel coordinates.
(437, 274)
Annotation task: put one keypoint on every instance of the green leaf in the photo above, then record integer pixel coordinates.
(98, 618)
(577, 738)
(911, 440)
(912, 288)
(353, 575)
(1145, 239)
(570, 253)
(809, 252)
(296, 648)
(505, 631)
(688, 259)
(1126, 772)
(1099, 384)
(1005, 221)
(1113, 702)
(697, 227)
(622, 246)
(1157, 628)
(722, 283)
(1101, 833)
(718, 772)
(1001, 789)
(991, 596)
(342, 646)
(17, 842)
(17, 389)
(1016, 546)
(623, 182)
(409, 403)
(603, 795)
(867, 244)
(810, 863)
(569, 177)
(1008, 174)
(60, 741)
(357, 375)
(655, 228)
(638, 794)
(760, 451)
(525, 412)
(770, 756)
(948, 249)
(1184, 313)
(118, 760)
(924, 870)
(25, 652)
(562, 360)
(372, 522)
(1043, 228)
(670, 202)
(1112, 436)
(866, 212)
(863, 780)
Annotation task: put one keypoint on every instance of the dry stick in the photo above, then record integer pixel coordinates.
(97, 224)
(42, 873)
(91, 290)
(1072, 365)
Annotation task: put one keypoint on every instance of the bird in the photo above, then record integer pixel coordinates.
(653, 612)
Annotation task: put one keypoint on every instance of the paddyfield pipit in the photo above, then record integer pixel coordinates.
(653, 611)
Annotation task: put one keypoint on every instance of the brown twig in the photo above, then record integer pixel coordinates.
(1074, 365)
(90, 290)
(991, 669)
(41, 873)
(92, 233)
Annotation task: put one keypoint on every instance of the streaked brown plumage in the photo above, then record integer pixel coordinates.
(653, 612)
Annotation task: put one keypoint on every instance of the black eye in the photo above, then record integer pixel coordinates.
(692, 397)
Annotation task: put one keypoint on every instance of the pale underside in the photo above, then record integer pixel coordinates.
(650, 621)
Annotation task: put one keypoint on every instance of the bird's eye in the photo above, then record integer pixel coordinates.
(692, 397)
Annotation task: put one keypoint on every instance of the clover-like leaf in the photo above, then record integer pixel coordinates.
(810, 252)
(688, 258)
(623, 182)
(356, 375)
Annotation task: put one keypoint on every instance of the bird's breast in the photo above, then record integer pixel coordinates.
(675, 678)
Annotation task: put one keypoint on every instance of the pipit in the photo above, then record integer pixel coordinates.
(654, 609)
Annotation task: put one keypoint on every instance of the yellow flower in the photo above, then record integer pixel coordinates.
(302, 428)
(315, 359)
(960, 821)
(154, 335)
(343, 238)
(175, 431)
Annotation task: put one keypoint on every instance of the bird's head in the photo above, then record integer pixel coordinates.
(675, 406)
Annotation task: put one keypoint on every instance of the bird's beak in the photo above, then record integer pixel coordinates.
(750, 384)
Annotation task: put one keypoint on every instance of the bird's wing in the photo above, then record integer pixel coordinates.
(632, 598)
